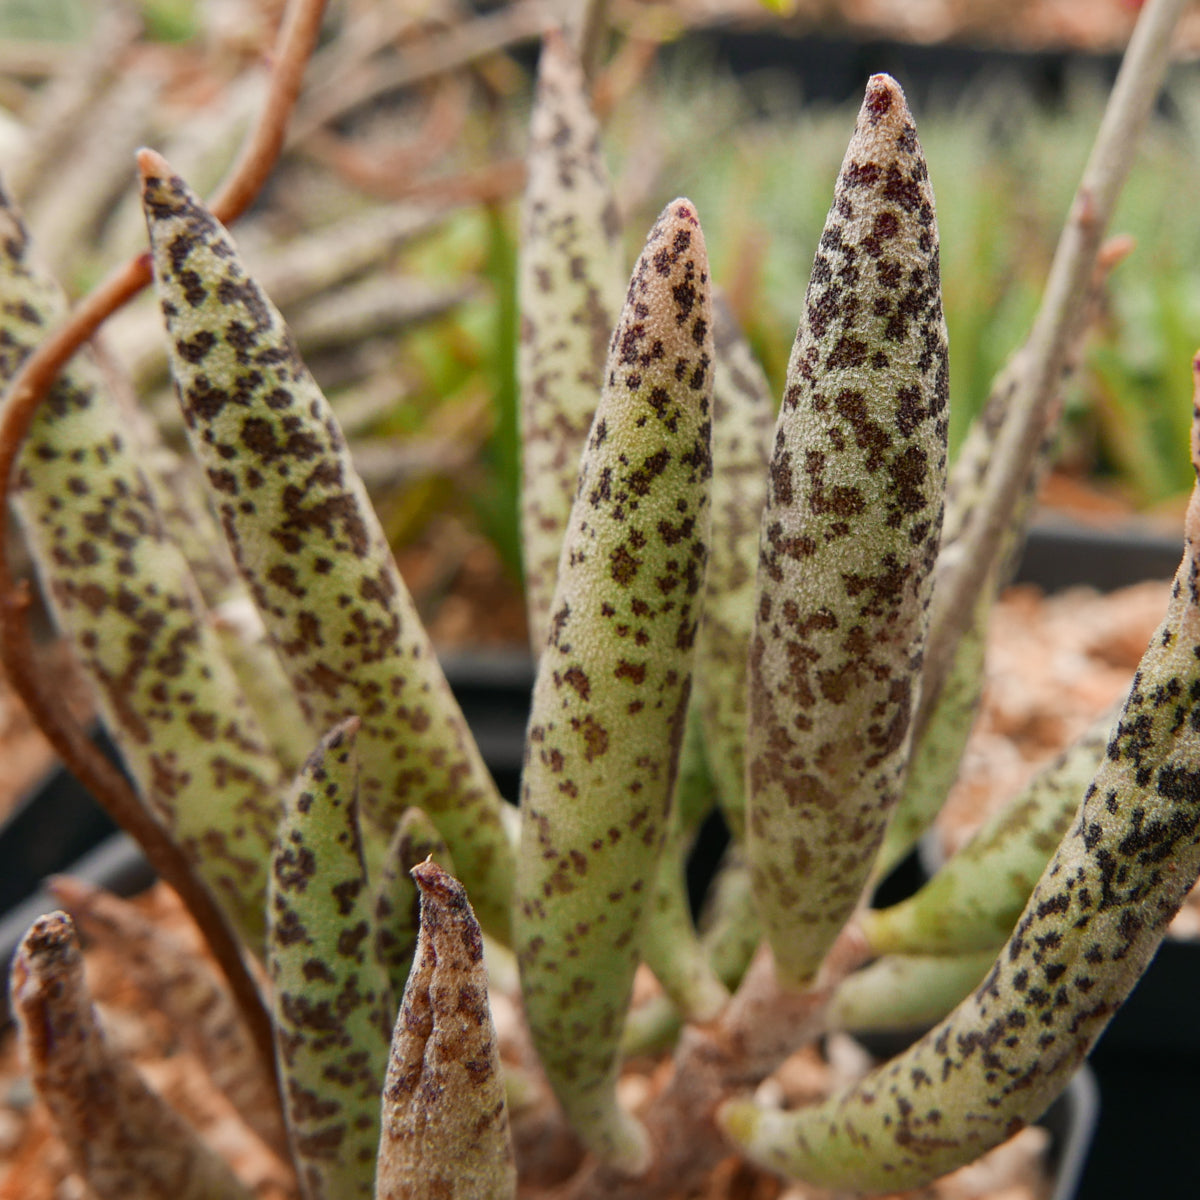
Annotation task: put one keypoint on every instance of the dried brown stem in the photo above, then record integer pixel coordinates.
(297, 39)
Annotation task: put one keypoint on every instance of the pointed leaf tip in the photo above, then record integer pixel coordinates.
(444, 1117)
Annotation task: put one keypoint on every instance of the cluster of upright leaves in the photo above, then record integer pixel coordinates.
(642, 570)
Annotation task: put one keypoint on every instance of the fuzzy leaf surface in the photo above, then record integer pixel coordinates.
(445, 1122)
(569, 291)
(611, 695)
(310, 546)
(849, 539)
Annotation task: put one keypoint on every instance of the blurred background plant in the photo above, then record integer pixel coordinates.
(388, 233)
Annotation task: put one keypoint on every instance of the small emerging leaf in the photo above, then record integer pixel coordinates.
(184, 987)
(445, 1122)
(397, 901)
(332, 999)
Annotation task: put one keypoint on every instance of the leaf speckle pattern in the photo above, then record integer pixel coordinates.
(613, 684)
(569, 288)
(332, 998)
(445, 1121)
(849, 538)
(308, 543)
(1089, 928)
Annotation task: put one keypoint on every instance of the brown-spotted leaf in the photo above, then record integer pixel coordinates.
(849, 538)
(332, 999)
(445, 1123)
(612, 690)
(122, 591)
(311, 548)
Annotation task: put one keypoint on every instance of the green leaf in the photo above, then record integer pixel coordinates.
(849, 538)
(902, 993)
(332, 1001)
(974, 900)
(445, 1122)
(743, 424)
(611, 695)
(311, 548)
(569, 288)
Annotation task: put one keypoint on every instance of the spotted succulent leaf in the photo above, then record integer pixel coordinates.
(569, 290)
(445, 1121)
(332, 999)
(122, 1137)
(743, 423)
(1094, 920)
(849, 538)
(975, 899)
(122, 591)
(397, 899)
(311, 548)
(612, 690)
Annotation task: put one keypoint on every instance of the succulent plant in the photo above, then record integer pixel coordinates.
(784, 626)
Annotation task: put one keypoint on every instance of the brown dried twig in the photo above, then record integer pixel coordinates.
(33, 381)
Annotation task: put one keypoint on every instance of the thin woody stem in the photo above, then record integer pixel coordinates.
(1041, 360)
(33, 381)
